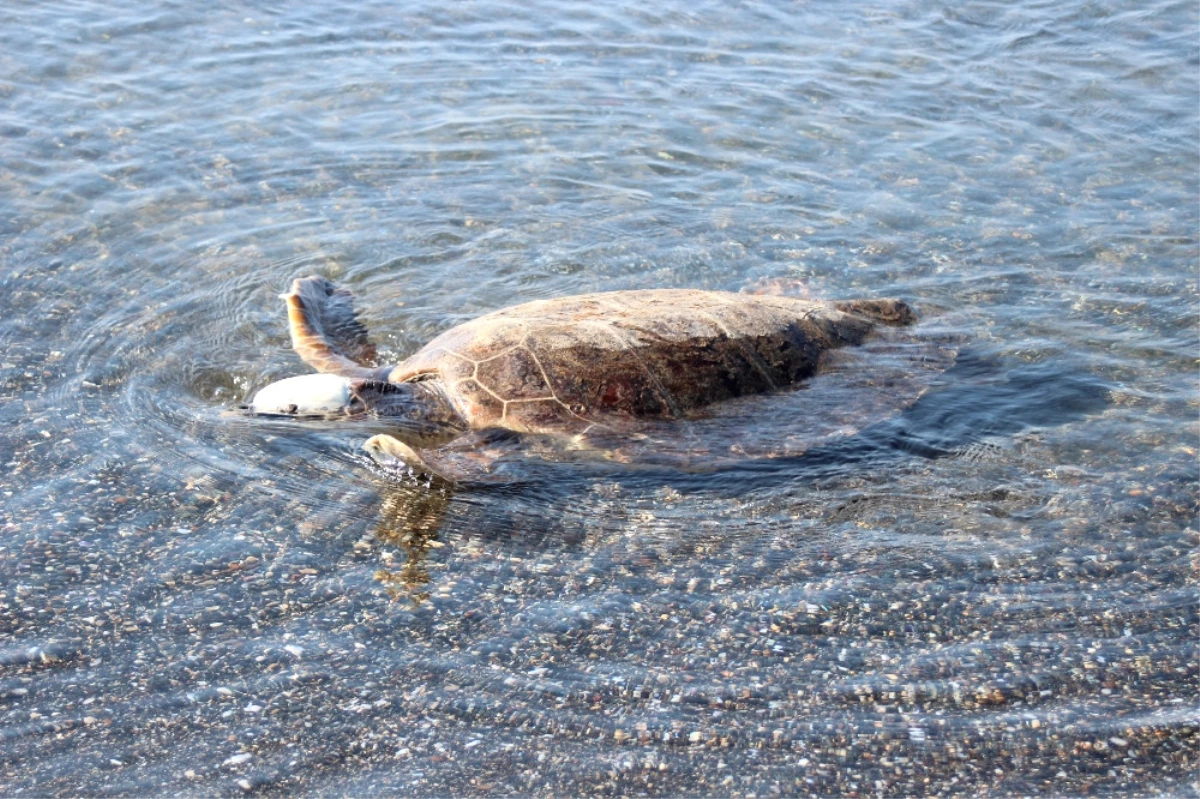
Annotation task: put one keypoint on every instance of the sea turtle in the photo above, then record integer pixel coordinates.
(607, 372)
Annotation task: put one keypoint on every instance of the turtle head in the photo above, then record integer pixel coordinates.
(417, 412)
(304, 395)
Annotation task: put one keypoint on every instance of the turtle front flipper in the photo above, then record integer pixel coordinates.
(326, 332)
(390, 452)
(489, 457)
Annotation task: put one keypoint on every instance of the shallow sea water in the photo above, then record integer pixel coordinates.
(993, 592)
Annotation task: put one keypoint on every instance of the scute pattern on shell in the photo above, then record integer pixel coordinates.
(557, 365)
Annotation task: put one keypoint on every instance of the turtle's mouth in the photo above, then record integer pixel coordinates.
(294, 412)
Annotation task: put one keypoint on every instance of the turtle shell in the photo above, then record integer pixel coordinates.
(572, 363)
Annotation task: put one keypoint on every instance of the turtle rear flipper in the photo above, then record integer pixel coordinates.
(326, 332)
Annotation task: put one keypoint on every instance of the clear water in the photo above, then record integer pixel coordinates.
(994, 591)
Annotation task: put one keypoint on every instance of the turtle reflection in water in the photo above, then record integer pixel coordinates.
(653, 376)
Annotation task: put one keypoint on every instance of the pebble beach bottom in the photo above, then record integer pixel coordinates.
(991, 592)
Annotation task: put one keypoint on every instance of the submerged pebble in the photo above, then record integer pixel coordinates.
(992, 594)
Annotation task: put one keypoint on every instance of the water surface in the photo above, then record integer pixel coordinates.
(992, 591)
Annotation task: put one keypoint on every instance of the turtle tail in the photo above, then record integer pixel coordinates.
(326, 332)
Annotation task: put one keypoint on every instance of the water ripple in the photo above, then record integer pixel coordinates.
(988, 592)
